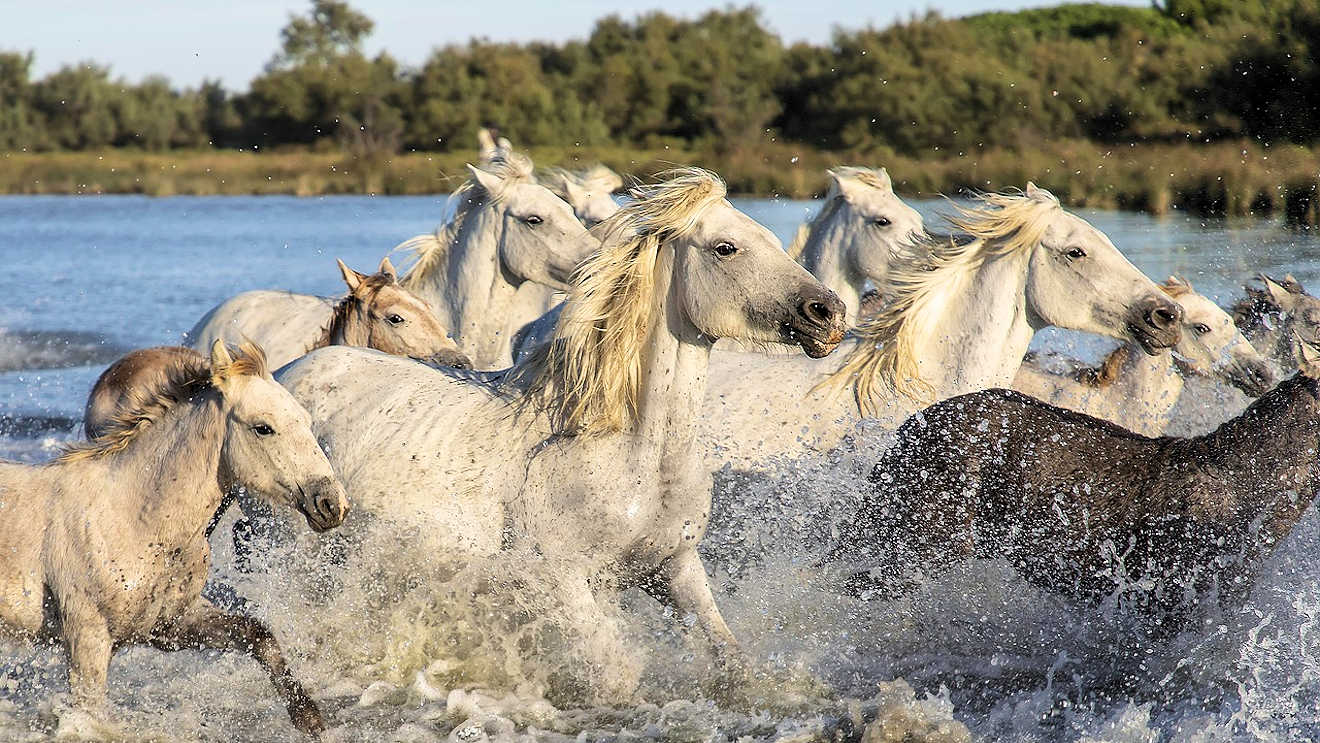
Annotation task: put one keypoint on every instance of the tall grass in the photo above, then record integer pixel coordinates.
(1220, 179)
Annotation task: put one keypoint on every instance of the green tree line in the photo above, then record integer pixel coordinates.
(1180, 70)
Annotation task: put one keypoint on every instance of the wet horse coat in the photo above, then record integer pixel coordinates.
(1084, 508)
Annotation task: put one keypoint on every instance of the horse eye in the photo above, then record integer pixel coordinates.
(394, 319)
(533, 220)
(1076, 253)
(725, 249)
(883, 222)
(261, 429)
(1201, 328)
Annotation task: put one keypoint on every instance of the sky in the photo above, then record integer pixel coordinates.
(188, 41)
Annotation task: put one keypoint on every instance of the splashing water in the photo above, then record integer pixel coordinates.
(399, 643)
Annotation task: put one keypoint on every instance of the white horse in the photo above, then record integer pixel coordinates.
(587, 450)
(105, 547)
(507, 231)
(1138, 391)
(958, 318)
(862, 226)
(376, 313)
(588, 191)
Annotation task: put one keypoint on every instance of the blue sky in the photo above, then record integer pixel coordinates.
(188, 40)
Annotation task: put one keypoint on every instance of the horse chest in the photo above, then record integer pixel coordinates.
(614, 499)
(152, 586)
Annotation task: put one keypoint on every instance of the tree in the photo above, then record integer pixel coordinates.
(331, 31)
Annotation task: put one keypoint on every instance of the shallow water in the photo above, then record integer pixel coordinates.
(392, 653)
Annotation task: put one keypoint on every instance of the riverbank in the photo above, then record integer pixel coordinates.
(1221, 179)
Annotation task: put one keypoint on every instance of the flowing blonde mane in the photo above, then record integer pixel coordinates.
(588, 377)
(884, 359)
(183, 380)
(426, 252)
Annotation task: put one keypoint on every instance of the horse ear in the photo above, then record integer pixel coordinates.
(847, 186)
(220, 361)
(1278, 293)
(1308, 357)
(886, 182)
(1036, 193)
(576, 193)
(351, 277)
(488, 181)
(387, 270)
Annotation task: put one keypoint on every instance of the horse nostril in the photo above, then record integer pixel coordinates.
(816, 312)
(1162, 317)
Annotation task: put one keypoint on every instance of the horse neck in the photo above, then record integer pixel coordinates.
(824, 257)
(980, 330)
(1149, 380)
(674, 364)
(1272, 443)
(472, 294)
(172, 469)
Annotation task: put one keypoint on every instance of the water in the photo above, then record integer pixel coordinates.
(87, 278)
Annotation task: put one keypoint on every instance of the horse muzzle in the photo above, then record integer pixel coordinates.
(1156, 324)
(323, 504)
(454, 359)
(1253, 377)
(817, 322)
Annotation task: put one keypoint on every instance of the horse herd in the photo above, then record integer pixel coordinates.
(465, 398)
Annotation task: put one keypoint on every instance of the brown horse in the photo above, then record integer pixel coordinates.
(1084, 508)
(104, 548)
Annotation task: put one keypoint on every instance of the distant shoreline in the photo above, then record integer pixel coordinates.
(1221, 179)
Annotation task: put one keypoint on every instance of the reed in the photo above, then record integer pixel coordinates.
(1227, 178)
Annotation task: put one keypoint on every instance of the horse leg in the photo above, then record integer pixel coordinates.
(681, 583)
(205, 626)
(87, 642)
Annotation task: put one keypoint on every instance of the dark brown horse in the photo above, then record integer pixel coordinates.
(1086, 509)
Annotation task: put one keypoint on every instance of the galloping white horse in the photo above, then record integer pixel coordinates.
(587, 450)
(376, 313)
(958, 318)
(1138, 391)
(861, 227)
(507, 230)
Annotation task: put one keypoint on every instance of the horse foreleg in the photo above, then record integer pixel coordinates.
(205, 626)
(87, 642)
(681, 583)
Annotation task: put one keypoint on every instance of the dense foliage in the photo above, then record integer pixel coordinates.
(1181, 70)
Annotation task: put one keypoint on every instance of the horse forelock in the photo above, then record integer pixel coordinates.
(589, 376)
